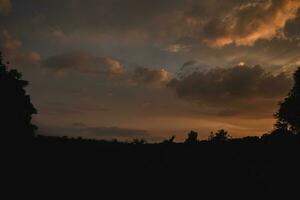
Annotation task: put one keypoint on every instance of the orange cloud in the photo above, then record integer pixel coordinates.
(250, 22)
(115, 67)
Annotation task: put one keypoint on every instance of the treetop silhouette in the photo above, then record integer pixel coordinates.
(15, 105)
(192, 138)
(220, 136)
(288, 115)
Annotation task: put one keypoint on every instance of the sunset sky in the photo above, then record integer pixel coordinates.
(152, 68)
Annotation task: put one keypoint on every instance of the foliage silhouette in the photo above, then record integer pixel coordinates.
(288, 115)
(220, 136)
(192, 138)
(139, 141)
(15, 105)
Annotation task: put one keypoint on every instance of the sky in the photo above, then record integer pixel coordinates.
(128, 69)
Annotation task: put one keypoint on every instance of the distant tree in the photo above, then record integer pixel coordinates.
(192, 138)
(139, 141)
(16, 108)
(220, 136)
(115, 141)
(288, 115)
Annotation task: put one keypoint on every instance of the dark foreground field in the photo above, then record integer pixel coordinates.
(248, 168)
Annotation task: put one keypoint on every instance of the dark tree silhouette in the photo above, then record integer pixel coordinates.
(219, 136)
(139, 141)
(288, 115)
(192, 138)
(16, 108)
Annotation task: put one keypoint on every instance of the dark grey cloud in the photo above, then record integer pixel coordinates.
(292, 28)
(188, 63)
(233, 90)
(11, 47)
(104, 16)
(9, 44)
(86, 63)
(190, 67)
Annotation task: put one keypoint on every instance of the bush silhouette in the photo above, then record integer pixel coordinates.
(139, 141)
(15, 105)
(220, 136)
(288, 115)
(192, 138)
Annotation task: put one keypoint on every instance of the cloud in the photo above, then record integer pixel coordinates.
(85, 63)
(56, 33)
(13, 52)
(188, 63)
(143, 75)
(177, 48)
(8, 42)
(250, 21)
(77, 60)
(190, 67)
(5, 6)
(115, 67)
(175, 27)
(235, 90)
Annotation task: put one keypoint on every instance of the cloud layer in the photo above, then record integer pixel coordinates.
(251, 21)
(108, 67)
(175, 26)
(233, 90)
(83, 62)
